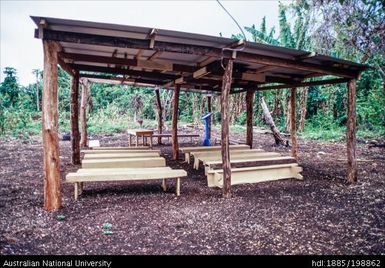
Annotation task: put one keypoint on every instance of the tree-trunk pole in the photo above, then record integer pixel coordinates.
(249, 114)
(293, 125)
(226, 85)
(209, 110)
(83, 113)
(51, 159)
(175, 146)
(269, 120)
(159, 114)
(75, 135)
(351, 132)
(37, 91)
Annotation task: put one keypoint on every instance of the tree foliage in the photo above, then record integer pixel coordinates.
(351, 29)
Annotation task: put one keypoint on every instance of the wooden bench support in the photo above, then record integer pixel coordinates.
(255, 174)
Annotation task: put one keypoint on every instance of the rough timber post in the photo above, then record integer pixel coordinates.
(351, 132)
(226, 85)
(159, 114)
(209, 110)
(83, 113)
(52, 183)
(175, 146)
(293, 126)
(75, 135)
(249, 115)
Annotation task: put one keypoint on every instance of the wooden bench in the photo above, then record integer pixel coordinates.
(124, 174)
(188, 150)
(117, 151)
(255, 174)
(233, 155)
(251, 162)
(169, 135)
(124, 162)
(122, 148)
(121, 155)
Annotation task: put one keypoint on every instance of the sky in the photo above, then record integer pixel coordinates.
(19, 49)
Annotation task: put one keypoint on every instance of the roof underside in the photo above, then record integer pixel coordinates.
(149, 56)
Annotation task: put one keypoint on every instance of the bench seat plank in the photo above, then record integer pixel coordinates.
(188, 150)
(255, 174)
(251, 162)
(124, 162)
(106, 170)
(121, 148)
(218, 157)
(118, 151)
(121, 174)
(121, 155)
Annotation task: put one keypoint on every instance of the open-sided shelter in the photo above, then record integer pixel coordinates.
(178, 60)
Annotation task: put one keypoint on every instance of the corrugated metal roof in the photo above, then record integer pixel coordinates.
(185, 59)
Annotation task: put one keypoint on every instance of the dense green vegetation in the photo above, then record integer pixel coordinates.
(349, 29)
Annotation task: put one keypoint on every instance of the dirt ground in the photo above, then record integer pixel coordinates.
(319, 215)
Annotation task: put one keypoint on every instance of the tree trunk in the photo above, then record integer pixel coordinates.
(51, 159)
(159, 114)
(269, 120)
(75, 134)
(249, 115)
(293, 126)
(288, 113)
(303, 109)
(209, 110)
(194, 108)
(226, 86)
(175, 146)
(351, 132)
(83, 113)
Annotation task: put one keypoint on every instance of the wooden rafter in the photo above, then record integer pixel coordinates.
(125, 42)
(157, 65)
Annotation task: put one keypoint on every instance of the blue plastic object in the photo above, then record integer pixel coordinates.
(206, 118)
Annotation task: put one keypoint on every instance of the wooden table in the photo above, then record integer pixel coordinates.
(144, 133)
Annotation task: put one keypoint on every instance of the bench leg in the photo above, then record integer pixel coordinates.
(196, 163)
(178, 187)
(164, 185)
(76, 190)
(81, 186)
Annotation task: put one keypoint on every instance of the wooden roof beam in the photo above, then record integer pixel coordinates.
(265, 69)
(154, 75)
(306, 56)
(156, 65)
(124, 42)
(306, 84)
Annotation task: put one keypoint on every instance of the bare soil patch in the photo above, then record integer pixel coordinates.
(320, 215)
